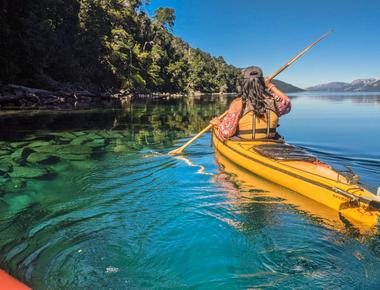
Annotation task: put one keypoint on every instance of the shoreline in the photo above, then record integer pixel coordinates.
(17, 97)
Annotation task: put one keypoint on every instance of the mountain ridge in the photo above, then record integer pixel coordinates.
(358, 85)
(286, 87)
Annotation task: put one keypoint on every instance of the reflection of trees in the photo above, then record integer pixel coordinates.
(162, 122)
(145, 121)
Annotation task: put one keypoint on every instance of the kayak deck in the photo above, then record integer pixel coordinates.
(303, 174)
(296, 158)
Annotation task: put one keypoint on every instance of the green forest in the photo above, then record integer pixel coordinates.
(103, 45)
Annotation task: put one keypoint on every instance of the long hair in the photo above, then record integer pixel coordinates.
(253, 90)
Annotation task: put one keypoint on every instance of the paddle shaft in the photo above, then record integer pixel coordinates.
(298, 56)
(180, 149)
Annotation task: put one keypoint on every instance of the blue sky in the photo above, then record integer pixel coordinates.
(269, 33)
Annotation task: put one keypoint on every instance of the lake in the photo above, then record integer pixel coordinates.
(91, 200)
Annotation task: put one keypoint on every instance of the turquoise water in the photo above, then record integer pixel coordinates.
(101, 206)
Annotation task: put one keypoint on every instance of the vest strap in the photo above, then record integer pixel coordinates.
(253, 126)
(258, 131)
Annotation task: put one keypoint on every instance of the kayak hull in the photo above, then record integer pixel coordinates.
(7, 282)
(313, 180)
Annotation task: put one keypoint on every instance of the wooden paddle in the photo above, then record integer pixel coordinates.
(180, 149)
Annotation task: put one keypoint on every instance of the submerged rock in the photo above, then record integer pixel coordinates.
(120, 148)
(18, 144)
(3, 180)
(64, 149)
(13, 185)
(94, 136)
(68, 135)
(47, 149)
(111, 134)
(27, 172)
(74, 157)
(83, 165)
(5, 167)
(38, 144)
(20, 154)
(97, 143)
(4, 152)
(79, 133)
(74, 149)
(36, 157)
(80, 140)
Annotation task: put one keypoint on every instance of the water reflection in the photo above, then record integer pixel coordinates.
(244, 187)
(118, 214)
(152, 120)
(354, 97)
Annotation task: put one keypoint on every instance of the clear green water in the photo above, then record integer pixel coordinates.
(107, 211)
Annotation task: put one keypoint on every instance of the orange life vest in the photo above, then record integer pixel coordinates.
(252, 127)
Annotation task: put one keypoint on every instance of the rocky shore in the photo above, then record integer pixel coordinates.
(15, 97)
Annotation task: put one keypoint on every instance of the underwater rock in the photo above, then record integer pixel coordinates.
(64, 149)
(94, 136)
(27, 172)
(64, 140)
(74, 157)
(5, 167)
(13, 185)
(80, 140)
(31, 137)
(79, 133)
(62, 166)
(120, 148)
(38, 144)
(97, 143)
(18, 144)
(84, 165)
(3, 180)
(4, 152)
(20, 154)
(47, 149)
(74, 149)
(111, 134)
(67, 135)
(36, 157)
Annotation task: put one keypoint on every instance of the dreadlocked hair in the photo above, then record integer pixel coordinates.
(253, 90)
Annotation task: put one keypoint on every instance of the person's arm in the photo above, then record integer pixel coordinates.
(227, 127)
(283, 103)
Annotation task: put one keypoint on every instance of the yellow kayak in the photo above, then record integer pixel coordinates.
(295, 169)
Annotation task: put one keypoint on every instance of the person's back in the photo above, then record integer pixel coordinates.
(255, 113)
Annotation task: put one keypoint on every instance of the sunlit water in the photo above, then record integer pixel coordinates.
(108, 209)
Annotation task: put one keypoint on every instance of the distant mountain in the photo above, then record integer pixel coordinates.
(360, 85)
(285, 87)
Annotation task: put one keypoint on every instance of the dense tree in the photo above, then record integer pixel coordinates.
(101, 45)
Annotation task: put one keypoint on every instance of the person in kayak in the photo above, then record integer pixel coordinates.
(255, 112)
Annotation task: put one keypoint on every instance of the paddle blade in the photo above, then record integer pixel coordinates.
(176, 151)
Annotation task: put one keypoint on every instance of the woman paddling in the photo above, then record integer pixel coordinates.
(255, 112)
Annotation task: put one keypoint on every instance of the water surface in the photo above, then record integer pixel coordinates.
(106, 208)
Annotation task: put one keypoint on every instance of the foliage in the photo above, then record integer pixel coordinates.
(101, 45)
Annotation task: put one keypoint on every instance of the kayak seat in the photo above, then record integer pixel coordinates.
(284, 152)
